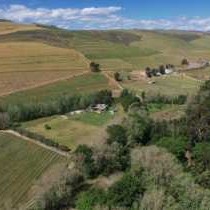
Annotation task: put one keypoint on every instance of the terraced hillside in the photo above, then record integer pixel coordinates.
(21, 164)
(47, 54)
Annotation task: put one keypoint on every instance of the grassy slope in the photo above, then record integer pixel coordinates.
(7, 27)
(82, 84)
(32, 56)
(114, 50)
(21, 164)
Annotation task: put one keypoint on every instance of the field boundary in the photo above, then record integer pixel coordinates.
(53, 149)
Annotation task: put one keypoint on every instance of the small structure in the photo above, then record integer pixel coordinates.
(168, 71)
(99, 108)
(76, 112)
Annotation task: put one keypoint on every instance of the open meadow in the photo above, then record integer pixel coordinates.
(71, 131)
(21, 165)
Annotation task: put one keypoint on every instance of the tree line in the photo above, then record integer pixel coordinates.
(15, 113)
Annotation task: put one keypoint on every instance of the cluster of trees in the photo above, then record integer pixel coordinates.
(61, 105)
(153, 72)
(128, 98)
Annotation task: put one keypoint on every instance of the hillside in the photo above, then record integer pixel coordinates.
(35, 55)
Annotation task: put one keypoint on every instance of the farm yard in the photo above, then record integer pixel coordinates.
(21, 165)
(71, 131)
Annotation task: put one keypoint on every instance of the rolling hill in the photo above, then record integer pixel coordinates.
(35, 55)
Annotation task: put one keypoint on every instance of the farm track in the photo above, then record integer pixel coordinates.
(59, 152)
(44, 83)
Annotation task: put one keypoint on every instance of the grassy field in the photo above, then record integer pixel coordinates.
(73, 130)
(168, 85)
(202, 74)
(86, 83)
(21, 164)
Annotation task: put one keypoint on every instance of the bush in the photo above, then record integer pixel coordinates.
(126, 191)
(47, 127)
(127, 98)
(201, 153)
(177, 146)
(90, 198)
(116, 133)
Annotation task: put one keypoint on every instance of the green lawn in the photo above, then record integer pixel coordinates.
(70, 131)
(82, 84)
(166, 85)
(21, 164)
(93, 118)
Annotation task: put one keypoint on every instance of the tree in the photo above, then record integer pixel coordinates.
(148, 72)
(117, 76)
(4, 120)
(138, 127)
(177, 146)
(84, 160)
(201, 153)
(162, 69)
(127, 98)
(94, 67)
(90, 198)
(117, 133)
(185, 62)
(126, 191)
